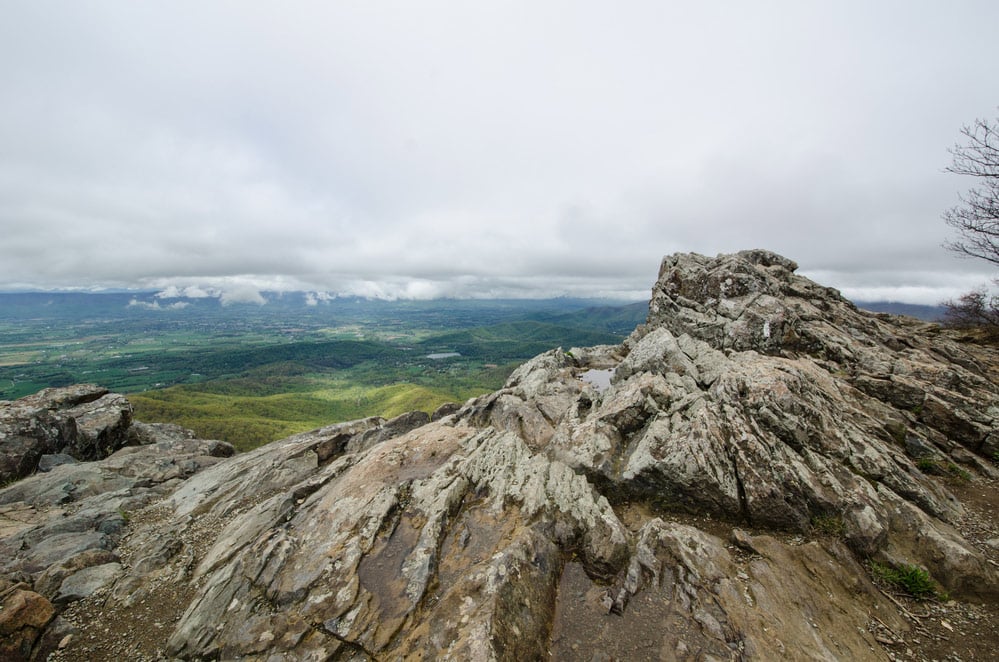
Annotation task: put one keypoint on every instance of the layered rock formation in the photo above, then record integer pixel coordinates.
(759, 440)
(83, 422)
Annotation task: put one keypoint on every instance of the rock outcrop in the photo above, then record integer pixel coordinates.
(84, 422)
(711, 488)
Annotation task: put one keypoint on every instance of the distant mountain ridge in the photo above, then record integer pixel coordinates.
(609, 315)
(922, 312)
(70, 301)
(622, 318)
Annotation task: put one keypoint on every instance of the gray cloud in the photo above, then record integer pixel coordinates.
(419, 150)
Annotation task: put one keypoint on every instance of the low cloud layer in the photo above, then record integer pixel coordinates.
(155, 305)
(426, 149)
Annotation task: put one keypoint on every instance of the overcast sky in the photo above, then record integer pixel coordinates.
(484, 148)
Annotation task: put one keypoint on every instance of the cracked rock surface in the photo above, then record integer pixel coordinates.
(82, 422)
(758, 443)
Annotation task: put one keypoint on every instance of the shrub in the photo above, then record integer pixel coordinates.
(978, 309)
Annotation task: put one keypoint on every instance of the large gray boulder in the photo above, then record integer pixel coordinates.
(83, 421)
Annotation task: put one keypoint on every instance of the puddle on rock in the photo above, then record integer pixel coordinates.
(600, 379)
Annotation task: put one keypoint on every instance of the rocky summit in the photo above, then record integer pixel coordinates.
(756, 473)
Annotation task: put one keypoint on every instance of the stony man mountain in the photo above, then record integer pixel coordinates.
(760, 471)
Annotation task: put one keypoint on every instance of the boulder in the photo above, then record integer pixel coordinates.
(84, 421)
(23, 618)
(87, 580)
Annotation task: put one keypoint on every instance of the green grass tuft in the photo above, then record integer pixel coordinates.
(829, 525)
(927, 465)
(959, 474)
(907, 578)
(948, 470)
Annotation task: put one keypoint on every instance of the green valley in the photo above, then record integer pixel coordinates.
(249, 374)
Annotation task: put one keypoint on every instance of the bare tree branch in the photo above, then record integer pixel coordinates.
(976, 219)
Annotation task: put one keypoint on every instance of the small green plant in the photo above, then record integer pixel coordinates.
(959, 474)
(928, 465)
(830, 525)
(124, 514)
(905, 577)
(951, 471)
(897, 431)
